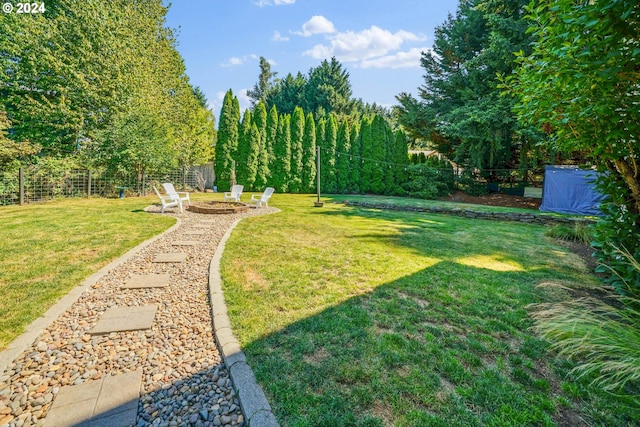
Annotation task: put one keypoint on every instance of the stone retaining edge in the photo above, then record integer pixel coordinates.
(525, 217)
(253, 401)
(35, 328)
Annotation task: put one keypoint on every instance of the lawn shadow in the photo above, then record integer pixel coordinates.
(424, 349)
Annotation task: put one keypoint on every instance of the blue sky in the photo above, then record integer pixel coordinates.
(377, 41)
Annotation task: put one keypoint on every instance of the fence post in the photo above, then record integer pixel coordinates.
(89, 184)
(21, 185)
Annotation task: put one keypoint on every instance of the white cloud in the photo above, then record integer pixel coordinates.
(243, 100)
(373, 42)
(216, 105)
(261, 3)
(410, 58)
(318, 24)
(235, 60)
(277, 37)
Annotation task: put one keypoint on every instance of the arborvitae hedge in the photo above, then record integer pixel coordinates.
(342, 158)
(280, 151)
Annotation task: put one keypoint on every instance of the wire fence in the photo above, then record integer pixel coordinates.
(30, 185)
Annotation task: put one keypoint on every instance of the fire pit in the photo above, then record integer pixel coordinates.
(218, 207)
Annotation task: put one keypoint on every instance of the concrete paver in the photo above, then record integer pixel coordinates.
(185, 243)
(138, 281)
(111, 401)
(118, 319)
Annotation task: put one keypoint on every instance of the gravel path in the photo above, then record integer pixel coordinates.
(184, 380)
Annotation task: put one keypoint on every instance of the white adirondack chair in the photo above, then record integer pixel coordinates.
(183, 196)
(263, 199)
(234, 194)
(167, 202)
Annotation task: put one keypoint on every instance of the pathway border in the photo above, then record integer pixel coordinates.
(252, 399)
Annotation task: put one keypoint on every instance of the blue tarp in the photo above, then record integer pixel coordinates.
(570, 190)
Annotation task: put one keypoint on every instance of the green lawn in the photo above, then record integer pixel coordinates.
(361, 317)
(348, 316)
(49, 248)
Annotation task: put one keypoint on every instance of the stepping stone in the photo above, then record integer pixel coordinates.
(185, 243)
(117, 319)
(202, 226)
(110, 401)
(171, 257)
(194, 233)
(138, 281)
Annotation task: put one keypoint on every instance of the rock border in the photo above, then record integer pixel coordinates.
(525, 217)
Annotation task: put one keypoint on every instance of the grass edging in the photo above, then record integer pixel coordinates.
(253, 401)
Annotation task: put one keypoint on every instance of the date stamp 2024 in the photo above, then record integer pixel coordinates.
(23, 8)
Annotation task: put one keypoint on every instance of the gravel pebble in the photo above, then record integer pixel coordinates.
(184, 380)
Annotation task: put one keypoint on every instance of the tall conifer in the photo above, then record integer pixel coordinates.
(253, 162)
(227, 140)
(367, 161)
(271, 135)
(378, 154)
(282, 153)
(262, 168)
(245, 171)
(309, 155)
(297, 136)
(328, 156)
(342, 158)
(355, 163)
(401, 161)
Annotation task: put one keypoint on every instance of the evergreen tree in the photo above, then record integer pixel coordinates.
(271, 135)
(254, 157)
(461, 108)
(328, 89)
(367, 161)
(227, 143)
(390, 185)
(401, 162)
(288, 93)
(309, 155)
(260, 120)
(297, 136)
(264, 85)
(343, 149)
(328, 156)
(378, 154)
(321, 129)
(245, 170)
(355, 162)
(281, 170)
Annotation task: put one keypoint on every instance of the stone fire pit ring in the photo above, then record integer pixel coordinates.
(219, 208)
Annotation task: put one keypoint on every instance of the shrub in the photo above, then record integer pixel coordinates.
(428, 182)
(470, 184)
(619, 227)
(603, 339)
(580, 232)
